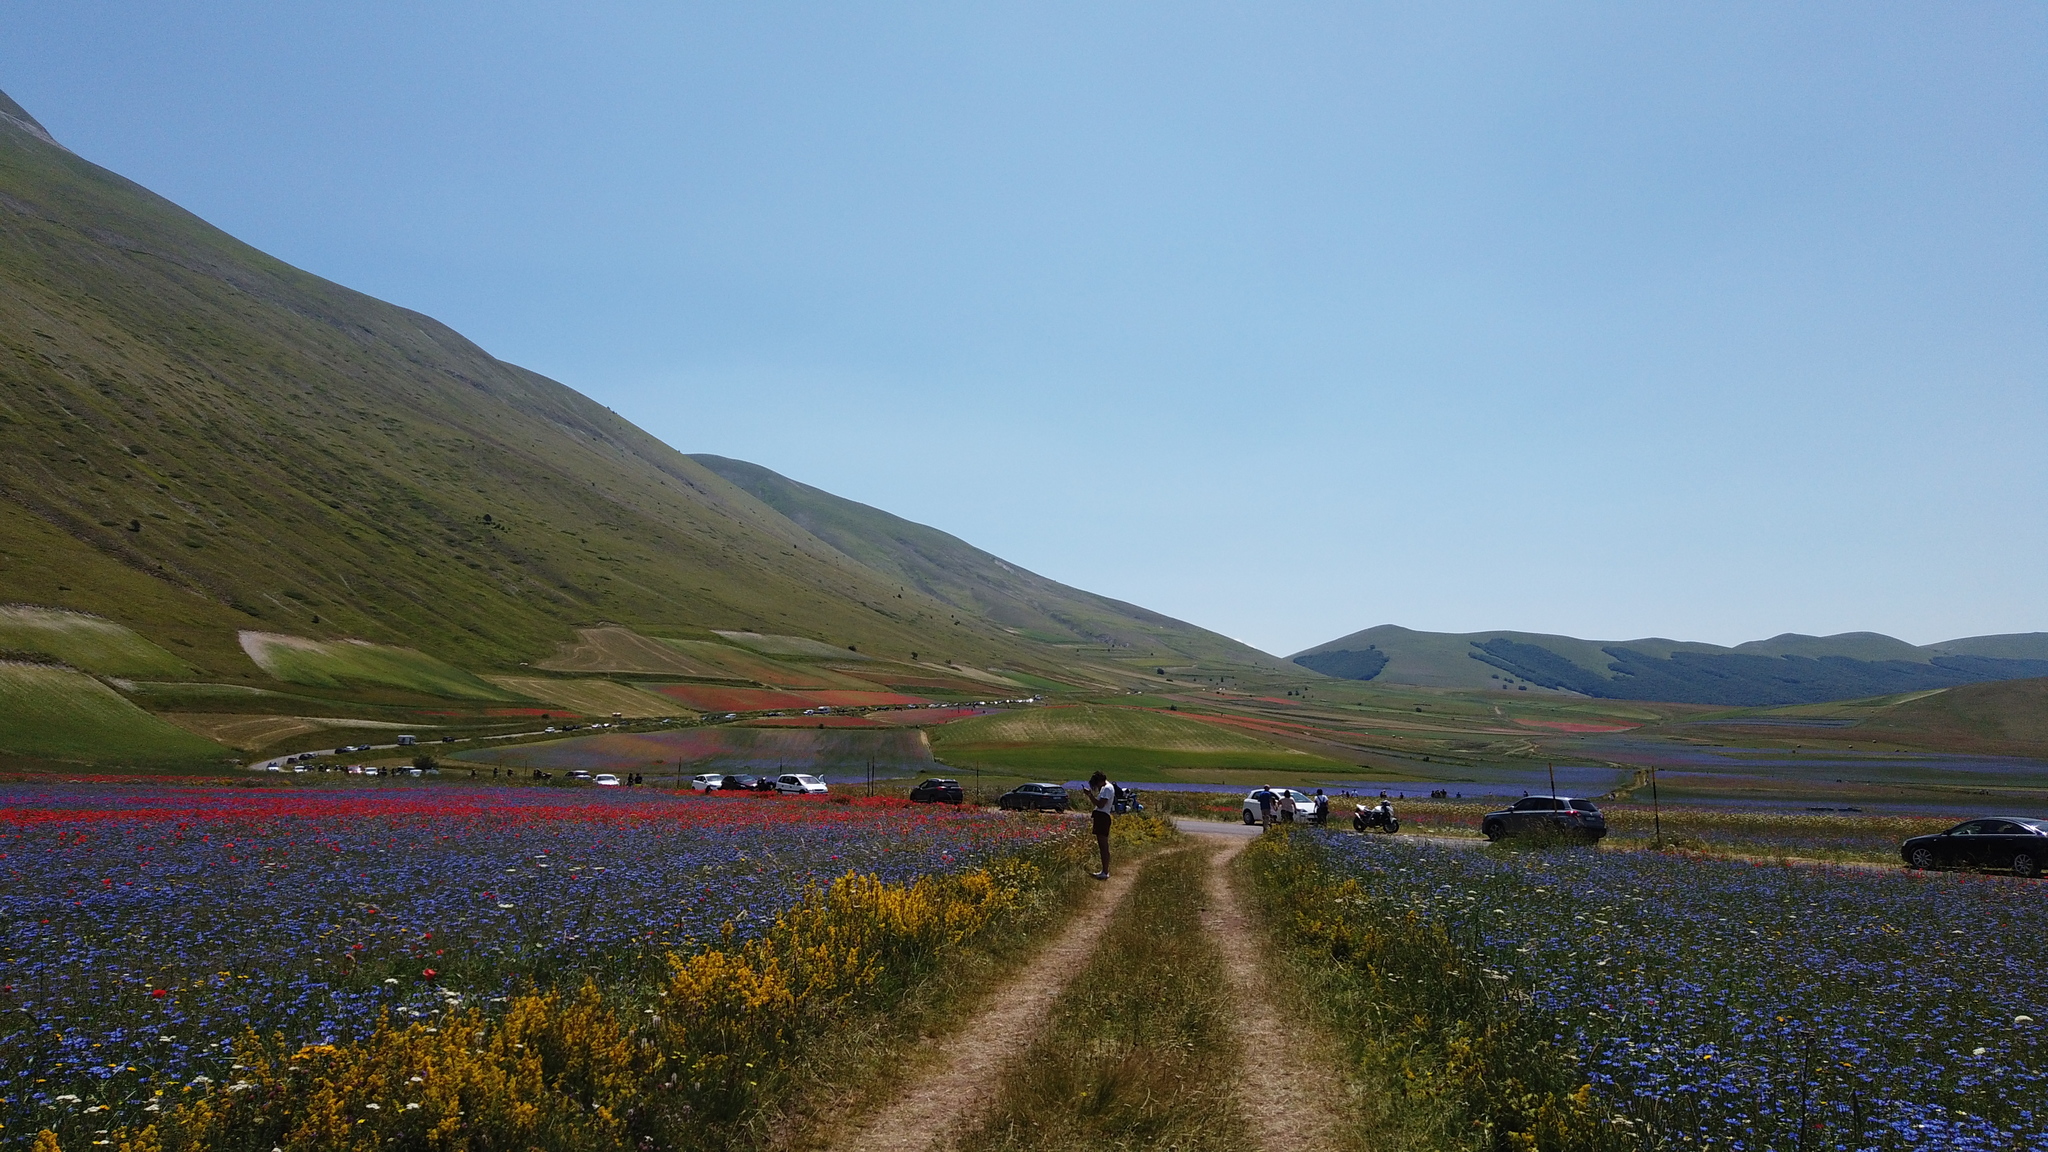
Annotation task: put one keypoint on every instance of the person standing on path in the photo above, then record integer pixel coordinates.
(1265, 798)
(1104, 795)
(1288, 805)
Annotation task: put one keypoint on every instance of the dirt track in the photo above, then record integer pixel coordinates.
(965, 1065)
(1283, 1091)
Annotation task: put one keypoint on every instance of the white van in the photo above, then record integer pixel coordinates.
(800, 784)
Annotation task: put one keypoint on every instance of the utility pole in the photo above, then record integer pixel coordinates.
(871, 776)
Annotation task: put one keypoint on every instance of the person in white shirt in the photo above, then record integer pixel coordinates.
(1288, 806)
(1104, 794)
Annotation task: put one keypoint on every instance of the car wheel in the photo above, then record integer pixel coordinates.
(1923, 859)
(2024, 864)
(1493, 830)
(1246, 816)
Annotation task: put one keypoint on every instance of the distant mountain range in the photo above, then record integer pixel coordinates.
(200, 440)
(1787, 669)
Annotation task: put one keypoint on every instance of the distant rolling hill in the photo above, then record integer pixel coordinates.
(203, 444)
(951, 570)
(2005, 718)
(1788, 669)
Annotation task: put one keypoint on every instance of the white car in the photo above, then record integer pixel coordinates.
(1304, 803)
(606, 779)
(708, 782)
(800, 784)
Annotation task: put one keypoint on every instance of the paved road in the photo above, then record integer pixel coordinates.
(423, 746)
(1240, 831)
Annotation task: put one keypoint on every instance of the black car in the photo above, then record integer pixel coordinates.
(1035, 798)
(1564, 815)
(938, 792)
(741, 783)
(2014, 842)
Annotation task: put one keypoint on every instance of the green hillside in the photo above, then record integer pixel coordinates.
(2005, 718)
(201, 440)
(956, 573)
(1786, 669)
(309, 505)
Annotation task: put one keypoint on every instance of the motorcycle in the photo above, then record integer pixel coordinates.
(1372, 818)
(1126, 801)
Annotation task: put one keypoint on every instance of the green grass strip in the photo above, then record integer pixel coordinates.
(1139, 1054)
(1444, 1058)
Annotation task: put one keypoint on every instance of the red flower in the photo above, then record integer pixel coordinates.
(158, 993)
(426, 973)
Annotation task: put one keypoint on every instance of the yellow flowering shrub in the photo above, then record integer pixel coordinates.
(590, 1069)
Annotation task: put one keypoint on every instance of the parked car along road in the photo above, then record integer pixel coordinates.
(1302, 800)
(938, 792)
(1566, 815)
(606, 779)
(2013, 842)
(1035, 798)
(799, 784)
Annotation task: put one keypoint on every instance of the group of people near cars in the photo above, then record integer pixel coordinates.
(1284, 805)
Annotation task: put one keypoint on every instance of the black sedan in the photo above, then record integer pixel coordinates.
(1569, 816)
(938, 792)
(2012, 842)
(1035, 798)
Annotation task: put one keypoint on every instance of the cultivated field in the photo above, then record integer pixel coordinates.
(789, 646)
(1715, 1003)
(590, 697)
(83, 641)
(717, 698)
(1130, 743)
(338, 663)
(725, 749)
(61, 714)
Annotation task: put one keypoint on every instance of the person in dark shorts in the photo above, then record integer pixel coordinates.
(1103, 793)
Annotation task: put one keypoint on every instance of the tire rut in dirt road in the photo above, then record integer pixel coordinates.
(965, 1064)
(1283, 1087)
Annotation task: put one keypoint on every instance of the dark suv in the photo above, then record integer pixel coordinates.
(1035, 797)
(938, 792)
(1563, 815)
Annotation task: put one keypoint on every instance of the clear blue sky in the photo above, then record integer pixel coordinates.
(1703, 321)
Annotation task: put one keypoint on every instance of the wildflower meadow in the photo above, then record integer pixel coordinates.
(145, 932)
(1725, 1004)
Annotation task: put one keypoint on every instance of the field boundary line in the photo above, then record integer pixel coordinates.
(962, 1066)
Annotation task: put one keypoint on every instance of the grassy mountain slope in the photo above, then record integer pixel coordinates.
(2005, 718)
(1786, 669)
(957, 573)
(200, 439)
